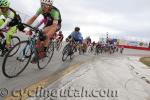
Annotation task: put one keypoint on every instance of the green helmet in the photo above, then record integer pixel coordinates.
(4, 3)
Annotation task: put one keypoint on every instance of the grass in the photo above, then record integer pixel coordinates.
(146, 61)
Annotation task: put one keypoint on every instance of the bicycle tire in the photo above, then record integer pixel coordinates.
(65, 52)
(59, 46)
(12, 44)
(49, 55)
(6, 60)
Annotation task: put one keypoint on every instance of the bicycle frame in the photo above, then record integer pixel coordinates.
(31, 43)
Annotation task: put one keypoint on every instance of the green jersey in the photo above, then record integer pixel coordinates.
(11, 17)
(54, 14)
(9, 14)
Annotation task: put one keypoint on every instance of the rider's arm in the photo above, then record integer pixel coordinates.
(41, 22)
(11, 15)
(71, 35)
(8, 20)
(56, 18)
(55, 22)
(33, 18)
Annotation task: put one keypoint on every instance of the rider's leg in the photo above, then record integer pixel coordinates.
(9, 34)
(49, 32)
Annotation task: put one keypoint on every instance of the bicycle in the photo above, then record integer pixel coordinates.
(98, 49)
(91, 49)
(29, 49)
(84, 48)
(57, 44)
(69, 49)
(121, 50)
(3, 48)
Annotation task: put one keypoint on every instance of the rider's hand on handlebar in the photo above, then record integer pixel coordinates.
(4, 29)
(27, 31)
(42, 36)
(67, 39)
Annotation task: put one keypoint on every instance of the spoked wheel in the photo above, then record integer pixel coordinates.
(80, 49)
(73, 51)
(90, 50)
(2, 50)
(14, 41)
(66, 52)
(59, 45)
(47, 56)
(16, 64)
(97, 51)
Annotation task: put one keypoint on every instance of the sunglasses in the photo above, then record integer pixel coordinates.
(3, 7)
(43, 5)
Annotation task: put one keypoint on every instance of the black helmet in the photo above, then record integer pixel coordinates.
(60, 32)
(77, 29)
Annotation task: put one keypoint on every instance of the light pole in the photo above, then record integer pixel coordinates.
(107, 37)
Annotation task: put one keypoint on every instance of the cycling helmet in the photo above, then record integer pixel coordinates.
(88, 37)
(4, 3)
(93, 42)
(60, 32)
(77, 29)
(49, 2)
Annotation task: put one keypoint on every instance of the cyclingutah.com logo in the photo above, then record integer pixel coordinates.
(69, 92)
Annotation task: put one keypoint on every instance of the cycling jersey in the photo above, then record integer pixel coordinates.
(77, 36)
(8, 16)
(41, 22)
(10, 21)
(88, 41)
(53, 14)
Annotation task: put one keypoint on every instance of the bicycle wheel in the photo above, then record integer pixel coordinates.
(89, 50)
(65, 52)
(96, 50)
(80, 49)
(16, 64)
(14, 41)
(59, 45)
(2, 48)
(72, 50)
(44, 61)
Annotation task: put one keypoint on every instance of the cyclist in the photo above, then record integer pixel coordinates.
(41, 22)
(9, 24)
(98, 46)
(59, 38)
(53, 20)
(76, 36)
(93, 45)
(88, 40)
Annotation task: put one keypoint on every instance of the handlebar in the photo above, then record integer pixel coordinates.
(36, 30)
(42, 37)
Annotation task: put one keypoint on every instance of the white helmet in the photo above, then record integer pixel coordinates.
(49, 2)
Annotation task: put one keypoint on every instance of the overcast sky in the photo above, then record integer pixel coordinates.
(127, 19)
